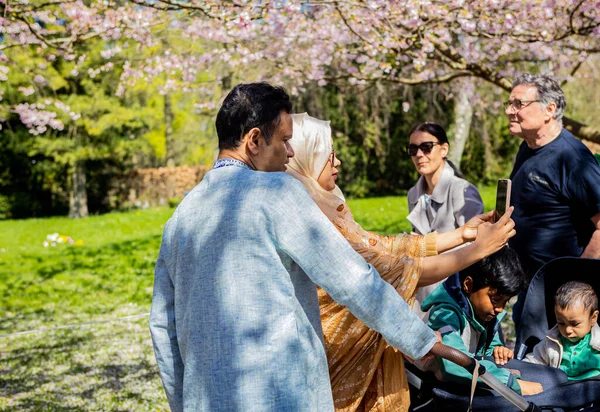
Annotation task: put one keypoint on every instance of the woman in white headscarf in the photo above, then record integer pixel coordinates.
(367, 374)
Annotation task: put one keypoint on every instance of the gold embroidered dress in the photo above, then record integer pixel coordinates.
(366, 374)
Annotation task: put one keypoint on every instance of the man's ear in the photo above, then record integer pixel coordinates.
(468, 285)
(550, 111)
(252, 140)
(594, 317)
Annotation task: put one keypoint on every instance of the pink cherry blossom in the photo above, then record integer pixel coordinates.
(297, 42)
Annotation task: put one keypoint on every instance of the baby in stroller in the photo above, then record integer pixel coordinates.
(573, 345)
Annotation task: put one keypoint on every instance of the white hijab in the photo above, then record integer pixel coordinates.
(312, 144)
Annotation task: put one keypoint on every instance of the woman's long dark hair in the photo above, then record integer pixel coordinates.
(439, 133)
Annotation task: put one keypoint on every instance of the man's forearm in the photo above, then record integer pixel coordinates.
(593, 248)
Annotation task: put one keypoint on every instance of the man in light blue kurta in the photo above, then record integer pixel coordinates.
(235, 317)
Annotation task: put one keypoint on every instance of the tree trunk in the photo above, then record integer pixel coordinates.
(463, 114)
(78, 197)
(487, 144)
(169, 141)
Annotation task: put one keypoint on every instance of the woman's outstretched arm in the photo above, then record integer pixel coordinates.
(489, 239)
(462, 235)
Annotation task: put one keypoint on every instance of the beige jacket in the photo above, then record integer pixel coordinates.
(550, 350)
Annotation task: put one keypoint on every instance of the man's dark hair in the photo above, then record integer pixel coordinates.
(248, 106)
(574, 292)
(501, 271)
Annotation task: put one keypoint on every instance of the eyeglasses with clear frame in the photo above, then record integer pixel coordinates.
(517, 104)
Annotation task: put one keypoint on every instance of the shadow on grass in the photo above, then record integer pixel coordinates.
(60, 371)
(26, 354)
(41, 405)
(9, 321)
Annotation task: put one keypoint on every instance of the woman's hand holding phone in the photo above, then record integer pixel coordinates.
(469, 230)
(492, 237)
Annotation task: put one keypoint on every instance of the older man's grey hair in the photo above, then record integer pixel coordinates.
(548, 91)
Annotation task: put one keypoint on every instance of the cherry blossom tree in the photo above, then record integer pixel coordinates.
(405, 42)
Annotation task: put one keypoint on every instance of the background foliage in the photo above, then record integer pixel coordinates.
(92, 90)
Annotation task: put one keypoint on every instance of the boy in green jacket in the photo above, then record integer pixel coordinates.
(467, 310)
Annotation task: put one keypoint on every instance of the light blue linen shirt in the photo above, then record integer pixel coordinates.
(235, 317)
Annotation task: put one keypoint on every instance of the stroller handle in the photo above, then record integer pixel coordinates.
(467, 362)
(456, 356)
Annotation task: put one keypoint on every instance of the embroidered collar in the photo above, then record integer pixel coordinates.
(230, 162)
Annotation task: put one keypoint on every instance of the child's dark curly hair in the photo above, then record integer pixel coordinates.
(501, 271)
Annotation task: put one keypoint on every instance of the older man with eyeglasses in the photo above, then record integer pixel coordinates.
(555, 180)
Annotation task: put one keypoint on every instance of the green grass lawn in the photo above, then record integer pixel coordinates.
(107, 274)
(111, 267)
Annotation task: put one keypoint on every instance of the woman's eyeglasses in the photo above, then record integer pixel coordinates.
(426, 148)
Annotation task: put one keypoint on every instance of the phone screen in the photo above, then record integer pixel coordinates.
(502, 197)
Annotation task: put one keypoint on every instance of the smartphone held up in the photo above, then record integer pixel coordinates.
(502, 197)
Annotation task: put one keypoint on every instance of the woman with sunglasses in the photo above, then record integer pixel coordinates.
(364, 370)
(441, 200)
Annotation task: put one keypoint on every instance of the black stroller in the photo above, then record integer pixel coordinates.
(428, 394)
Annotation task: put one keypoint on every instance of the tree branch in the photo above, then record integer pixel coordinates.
(405, 80)
(577, 66)
(581, 130)
(21, 8)
(48, 43)
(347, 24)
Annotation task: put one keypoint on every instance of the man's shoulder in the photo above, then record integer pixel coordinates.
(236, 185)
(277, 188)
(252, 178)
(280, 181)
(281, 177)
(572, 147)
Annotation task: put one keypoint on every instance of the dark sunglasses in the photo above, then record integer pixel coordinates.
(332, 157)
(426, 148)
